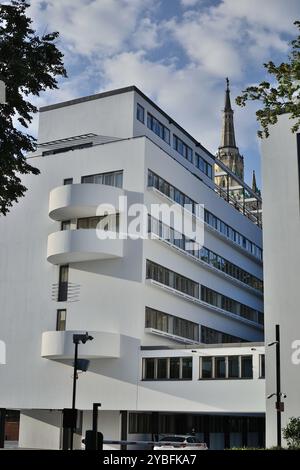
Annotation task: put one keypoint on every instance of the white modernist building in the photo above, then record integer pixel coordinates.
(177, 327)
(281, 169)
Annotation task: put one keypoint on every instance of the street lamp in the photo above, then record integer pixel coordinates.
(77, 339)
(279, 404)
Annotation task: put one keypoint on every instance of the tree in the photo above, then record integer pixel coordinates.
(282, 96)
(292, 433)
(29, 64)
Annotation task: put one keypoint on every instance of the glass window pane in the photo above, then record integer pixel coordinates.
(174, 367)
(61, 320)
(162, 368)
(233, 366)
(220, 368)
(207, 371)
(247, 372)
(149, 365)
(187, 368)
(262, 366)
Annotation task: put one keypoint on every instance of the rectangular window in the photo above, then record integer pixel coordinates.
(114, 178)
(187, 368)
(203, 165)
(174, 367)
(182, 148)
(108, 222)
(158, 128)
(233, 367)
(167, 368)
(162, 368)
(66, 225)
(140, 113)
(246, 367)
(149, 368)
(63, 283)
(61, 318)
(68, 181)
(220, 367)
(207, 368)
(262, 370)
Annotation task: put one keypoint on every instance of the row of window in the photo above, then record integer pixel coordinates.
(170, 235)
(172, 279)
(170, 324)
(188, 286)
(113, 178)
(180, 198)
(230, 367)
(185, 328)
(167, 368)
(110, 223)
(251, 427)
(232, 234)
(158, 128)
(203, 165)
(233, 306)
(217, 367)
(211, 336)
(181, 147)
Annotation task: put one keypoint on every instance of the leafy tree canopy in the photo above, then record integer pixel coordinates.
(29, 64)
(282, 96)
(292, 433)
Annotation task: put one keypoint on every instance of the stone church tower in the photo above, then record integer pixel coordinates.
(228, 151)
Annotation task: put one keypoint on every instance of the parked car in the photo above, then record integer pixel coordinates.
(178, 442)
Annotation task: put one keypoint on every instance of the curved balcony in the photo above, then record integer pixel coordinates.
(59, 345)
(71, 246)
(81, 200)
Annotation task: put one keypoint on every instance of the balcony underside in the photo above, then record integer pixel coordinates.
(82, 200)
(71, 246)
(59, 345)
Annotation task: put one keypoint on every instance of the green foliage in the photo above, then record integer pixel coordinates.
(292, 433)
(282, 96)
(28, 66)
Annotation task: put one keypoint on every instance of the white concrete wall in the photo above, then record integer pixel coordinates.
(208, 396)
(281, 265)
(40, 429)
(109, 116)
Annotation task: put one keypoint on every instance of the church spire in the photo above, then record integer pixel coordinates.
(228, 135)
(254, 185)
(228, 151)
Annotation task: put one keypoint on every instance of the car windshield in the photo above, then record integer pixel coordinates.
(172, 439)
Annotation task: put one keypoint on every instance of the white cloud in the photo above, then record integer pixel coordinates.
(190, 3)
(107, 45)
(231, 36)
(91, 26)
(211, 41)
(277, 15)
(147, 34)
(189, 95)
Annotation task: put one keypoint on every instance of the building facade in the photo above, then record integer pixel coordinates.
(160, 309)
(280, 163)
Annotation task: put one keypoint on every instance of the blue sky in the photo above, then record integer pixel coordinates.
(178, 52)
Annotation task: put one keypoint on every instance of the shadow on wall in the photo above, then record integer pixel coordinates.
(130, 267)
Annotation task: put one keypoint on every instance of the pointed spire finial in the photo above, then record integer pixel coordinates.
(227, 97)
(254, 185)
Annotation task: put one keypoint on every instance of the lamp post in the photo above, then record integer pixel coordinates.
(77, 339)
(279, 404)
